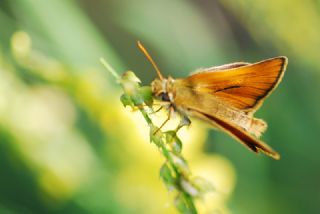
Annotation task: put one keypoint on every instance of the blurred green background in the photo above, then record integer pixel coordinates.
(68, 146)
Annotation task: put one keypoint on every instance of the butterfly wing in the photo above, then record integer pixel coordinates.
(243, 86)
(239, 134)
(224, 95)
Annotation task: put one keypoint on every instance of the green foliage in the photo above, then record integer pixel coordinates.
(167, 176)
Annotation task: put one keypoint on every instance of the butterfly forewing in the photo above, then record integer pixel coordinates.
(243, 86)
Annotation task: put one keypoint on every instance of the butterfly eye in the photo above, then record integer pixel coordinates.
(164, 97)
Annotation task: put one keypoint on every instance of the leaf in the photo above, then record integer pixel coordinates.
(180, 164)
(126, 100)
(167, 176)
(146, 93)
(174, 142)
(170, 135)
(189, 188)
(155, 135)
(183, 204)
(177, 146)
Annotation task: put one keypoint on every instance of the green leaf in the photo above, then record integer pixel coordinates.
(183, 204)
(174, 142)
(126, 100)
(177, 146)
(156, 140)
(168, 176)
(188, 187)
(155, 135)
(146, 93)
(170, 135)
(180, 164)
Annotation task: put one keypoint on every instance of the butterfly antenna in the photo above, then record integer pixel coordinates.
(141, 47)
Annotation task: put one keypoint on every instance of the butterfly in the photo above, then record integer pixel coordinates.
(225, 96)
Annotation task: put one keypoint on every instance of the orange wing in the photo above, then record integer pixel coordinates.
(242, 85)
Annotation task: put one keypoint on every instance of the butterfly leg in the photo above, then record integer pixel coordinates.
(171, 111)
(156, 111)
(162, 105)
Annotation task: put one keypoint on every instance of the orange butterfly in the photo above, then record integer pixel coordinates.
(225, 96)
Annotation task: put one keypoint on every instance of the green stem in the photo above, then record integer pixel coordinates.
(146, 117)
(166, 154)
(168, 157)
(188, 199)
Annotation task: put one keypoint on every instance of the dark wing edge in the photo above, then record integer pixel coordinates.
(279, 78)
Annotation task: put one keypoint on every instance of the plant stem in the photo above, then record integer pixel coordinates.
(109, 68)
(131, 86)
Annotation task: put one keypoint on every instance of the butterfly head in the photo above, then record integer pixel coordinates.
(162, 89)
